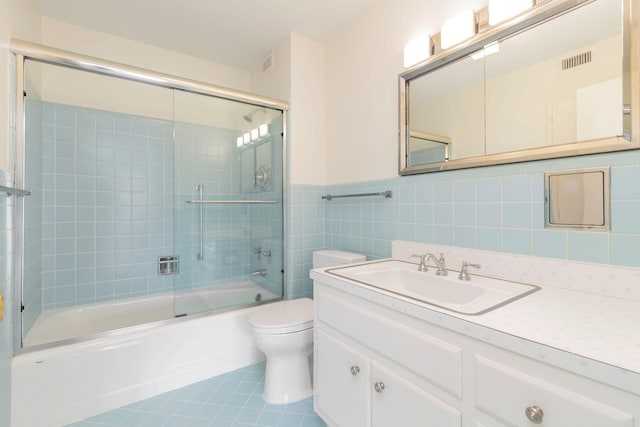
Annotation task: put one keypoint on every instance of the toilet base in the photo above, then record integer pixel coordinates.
(287, 379)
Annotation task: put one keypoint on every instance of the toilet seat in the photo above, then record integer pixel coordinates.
(284, 317)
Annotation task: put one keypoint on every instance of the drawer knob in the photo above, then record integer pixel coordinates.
(379, 387)
(534, 414)
(355, 370)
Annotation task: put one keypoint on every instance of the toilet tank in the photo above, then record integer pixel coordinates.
(332, 258)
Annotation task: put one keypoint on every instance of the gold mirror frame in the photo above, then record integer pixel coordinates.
(538, 15)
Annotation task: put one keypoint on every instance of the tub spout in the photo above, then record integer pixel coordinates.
(259, 273)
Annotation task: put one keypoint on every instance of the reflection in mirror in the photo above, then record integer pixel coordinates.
(428, 148)
(450, 102)
(565, 85)
(536, 88)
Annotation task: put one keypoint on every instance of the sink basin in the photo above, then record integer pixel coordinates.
(478, 296)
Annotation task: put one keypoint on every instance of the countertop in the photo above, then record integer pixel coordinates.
(593, 335)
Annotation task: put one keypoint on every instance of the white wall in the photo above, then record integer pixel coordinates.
(298, 77)
(307, 154)
(18, 19)
(102, 45)
(363, 63)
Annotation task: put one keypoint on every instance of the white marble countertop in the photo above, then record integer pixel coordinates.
(593, 335)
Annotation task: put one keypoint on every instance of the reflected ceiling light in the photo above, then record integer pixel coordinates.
(240, 141)
(457, 29)
(254, 134)
(246, 138)
(501, 10)
(417, 50)
(488, 50)
(263, 130)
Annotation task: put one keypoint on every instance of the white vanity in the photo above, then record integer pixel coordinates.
(565, 355)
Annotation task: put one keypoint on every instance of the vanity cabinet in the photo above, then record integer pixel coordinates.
(375, 365)
(378, 377)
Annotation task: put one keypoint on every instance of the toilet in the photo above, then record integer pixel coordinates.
(283, 331)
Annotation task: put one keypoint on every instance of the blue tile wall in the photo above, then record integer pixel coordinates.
(499, 208)
(305, 233)
(210, 156)
(104, 192)
(105, 214)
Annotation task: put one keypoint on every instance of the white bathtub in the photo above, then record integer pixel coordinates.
(67, 383)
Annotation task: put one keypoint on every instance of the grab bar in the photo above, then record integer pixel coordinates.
(14, 191)
(387, 194)
(232, 202)
(199, 189)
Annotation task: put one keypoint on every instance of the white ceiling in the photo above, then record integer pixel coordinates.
(238, 33)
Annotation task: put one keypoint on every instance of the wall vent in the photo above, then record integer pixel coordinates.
(267, 63)
(576, 60)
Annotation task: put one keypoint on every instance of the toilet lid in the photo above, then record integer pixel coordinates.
(284, 317)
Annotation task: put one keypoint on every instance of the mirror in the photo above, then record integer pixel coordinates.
(554, 82)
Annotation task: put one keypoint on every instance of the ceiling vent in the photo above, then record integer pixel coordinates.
(576, 60)
(267, 63)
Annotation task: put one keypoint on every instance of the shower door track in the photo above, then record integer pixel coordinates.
(49, 55)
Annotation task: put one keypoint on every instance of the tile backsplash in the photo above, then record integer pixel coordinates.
(498, 208)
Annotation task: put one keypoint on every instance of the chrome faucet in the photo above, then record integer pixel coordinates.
(440, 263)
(464, 273)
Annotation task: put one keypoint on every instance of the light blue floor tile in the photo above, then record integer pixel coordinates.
(229, 400)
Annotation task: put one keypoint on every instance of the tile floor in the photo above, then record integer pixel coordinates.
(233, 399)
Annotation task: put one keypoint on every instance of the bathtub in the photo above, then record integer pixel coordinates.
(62, 384)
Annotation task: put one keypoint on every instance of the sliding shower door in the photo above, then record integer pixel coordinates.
(98, 158)
(228, 203)
(147, 203)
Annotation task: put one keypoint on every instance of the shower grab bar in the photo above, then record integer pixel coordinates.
(14, 191)
(387, 194)
(232, 202)
(200, 189)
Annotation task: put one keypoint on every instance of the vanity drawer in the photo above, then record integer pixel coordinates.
(506, 394)
(436, 361)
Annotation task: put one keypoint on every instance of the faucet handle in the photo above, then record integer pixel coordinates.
(423, 263)
(464, 273)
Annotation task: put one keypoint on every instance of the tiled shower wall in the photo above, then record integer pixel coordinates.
(107, 207)
(107, 215)
(499, 208)
(210, 156)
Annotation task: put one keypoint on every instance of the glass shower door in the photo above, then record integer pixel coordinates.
(99, 164)
(228, 203)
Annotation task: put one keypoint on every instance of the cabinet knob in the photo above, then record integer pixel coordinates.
(379, 387)
(534, 414)
(355, 370)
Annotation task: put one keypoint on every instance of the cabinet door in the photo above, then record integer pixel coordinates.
(397, 402)
(341, 382)
(511, 396)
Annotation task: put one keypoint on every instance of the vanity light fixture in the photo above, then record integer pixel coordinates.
(501, 10)
(254, 134)
(457, 29)
(246, 138)
(488, 50)
(240, 141)
(417, 50)
(263, 130)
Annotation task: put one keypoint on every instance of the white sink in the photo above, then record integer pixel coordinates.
(477, 296)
